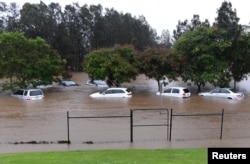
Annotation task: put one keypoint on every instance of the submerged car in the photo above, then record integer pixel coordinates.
(223, 93)
(113, 92)
(98, 83)
(68, 83)
(29, 94)
(175, 92)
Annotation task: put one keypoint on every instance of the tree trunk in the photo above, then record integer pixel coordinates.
(199, 88)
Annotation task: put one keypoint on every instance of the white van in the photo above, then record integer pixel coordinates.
(29, 94)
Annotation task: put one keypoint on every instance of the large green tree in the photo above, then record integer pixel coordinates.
(27, 61)
(227, 19)
(115, 65)
(158, 63)
(202, 50)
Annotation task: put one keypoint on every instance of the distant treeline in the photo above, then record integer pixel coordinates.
(77, 30)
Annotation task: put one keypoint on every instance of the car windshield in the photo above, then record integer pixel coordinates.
(224, 91)
(69, 82)
(186, 90)
(19, 92)
(100, 82)
(232, 90)
(128, 90)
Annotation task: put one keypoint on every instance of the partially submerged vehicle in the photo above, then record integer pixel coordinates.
(29, 94)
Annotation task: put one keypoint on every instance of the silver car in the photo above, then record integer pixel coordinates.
(223, 93)
(29, 94)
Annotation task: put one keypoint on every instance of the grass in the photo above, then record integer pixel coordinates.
(157, 156)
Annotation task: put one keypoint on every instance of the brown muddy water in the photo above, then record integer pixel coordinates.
(41, 125)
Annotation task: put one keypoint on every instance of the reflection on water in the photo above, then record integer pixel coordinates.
(45, 120)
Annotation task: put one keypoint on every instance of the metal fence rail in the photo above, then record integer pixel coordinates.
(85, 117)
(196, 115)
(143, 125)
(168, 118)
(131, 117)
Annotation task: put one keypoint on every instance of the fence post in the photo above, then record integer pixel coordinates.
(221, 127)
(170, 124)
(131, 125)
(167, 124)
(68, 126)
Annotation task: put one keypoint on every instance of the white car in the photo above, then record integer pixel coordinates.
(223, 93)
(175, 92)
(29, 94)
(98, 83)
(113, 92)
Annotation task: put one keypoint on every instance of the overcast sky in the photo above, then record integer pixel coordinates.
(162, 14)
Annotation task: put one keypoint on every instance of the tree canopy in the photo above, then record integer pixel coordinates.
(27, 61)
(202, 51)
(115, 65)
(227, 19)
(158, 63)
(77, 30)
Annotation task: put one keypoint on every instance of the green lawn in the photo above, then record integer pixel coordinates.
(158, 156)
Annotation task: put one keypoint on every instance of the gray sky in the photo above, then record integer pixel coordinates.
(163, 14)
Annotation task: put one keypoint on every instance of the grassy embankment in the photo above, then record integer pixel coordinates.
(158, 156)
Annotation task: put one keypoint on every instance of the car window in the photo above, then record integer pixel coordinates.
(175, 90)
(118, 91)
(35, 93)
(108, 92)
(25, 93)
(168, 90)
(224, 91)
(186, 90)
(216, 90)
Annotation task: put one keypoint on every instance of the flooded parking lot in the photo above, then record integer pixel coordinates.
(46, 120)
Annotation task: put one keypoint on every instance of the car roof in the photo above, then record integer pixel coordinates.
(117, 88)
(33, 89)
(178, 87)
(222, 88)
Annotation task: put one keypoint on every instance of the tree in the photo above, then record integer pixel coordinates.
(202, 51)
(78, 23)
(77, 30)
(240, 68)
(158, 63)
(227, 19)
(116, 65)
(9, 17)
(111, 27)
(164, 40)
(185, 26)
(28, 61)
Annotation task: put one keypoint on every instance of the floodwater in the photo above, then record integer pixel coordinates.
(42, 125)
